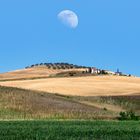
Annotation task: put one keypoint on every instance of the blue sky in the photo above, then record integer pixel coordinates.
(108, 34)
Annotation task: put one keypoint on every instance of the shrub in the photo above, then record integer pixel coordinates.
(105, 109)
(71, 74)
(103, 72)
(130, 115)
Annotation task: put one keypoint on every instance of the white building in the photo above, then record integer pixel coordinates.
(93, 70)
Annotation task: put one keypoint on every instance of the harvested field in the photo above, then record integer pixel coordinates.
(34, 73)
(82, 86)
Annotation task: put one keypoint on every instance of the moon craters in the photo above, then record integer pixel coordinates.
(68, 18)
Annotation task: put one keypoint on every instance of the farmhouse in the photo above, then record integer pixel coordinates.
(93, 70)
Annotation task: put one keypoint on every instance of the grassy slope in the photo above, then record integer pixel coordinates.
(69, 130)
(26, 104)
(113, 103)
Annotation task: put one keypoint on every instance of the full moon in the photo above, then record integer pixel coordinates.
(68, 18)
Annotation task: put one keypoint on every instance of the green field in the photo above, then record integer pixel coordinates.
(69, 130)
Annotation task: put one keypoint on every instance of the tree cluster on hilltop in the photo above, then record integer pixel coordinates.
(56, 66)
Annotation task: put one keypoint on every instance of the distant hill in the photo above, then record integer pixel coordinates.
(66, 66)
(45, 70)
(42, 70)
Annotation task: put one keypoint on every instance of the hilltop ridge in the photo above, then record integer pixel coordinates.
(42, 70)
(45, 70)
(57, 65)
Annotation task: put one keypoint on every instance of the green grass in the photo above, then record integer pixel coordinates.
(69, 130)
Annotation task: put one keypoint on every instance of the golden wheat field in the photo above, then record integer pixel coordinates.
(36, 72)
(82, 86)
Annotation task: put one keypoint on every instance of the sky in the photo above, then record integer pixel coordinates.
(107, 36)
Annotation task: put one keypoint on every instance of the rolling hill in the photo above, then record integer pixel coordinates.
(18, 103)
(82, 86)
(35, 73)
(47, 92)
